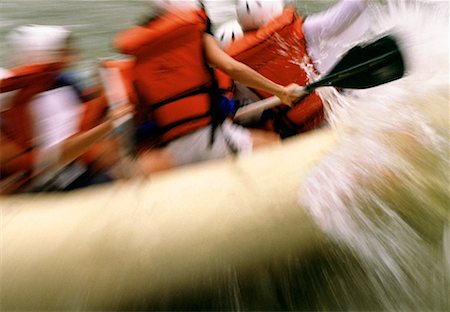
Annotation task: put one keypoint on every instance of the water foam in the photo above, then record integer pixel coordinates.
(383, 194)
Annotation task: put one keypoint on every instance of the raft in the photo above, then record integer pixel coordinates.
(130, 244)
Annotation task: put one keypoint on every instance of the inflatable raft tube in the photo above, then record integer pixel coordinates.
(130, 245)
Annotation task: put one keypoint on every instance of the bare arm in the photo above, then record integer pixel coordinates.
(15, 159)
(78, 144)
(58, 156)
(242, 73)
(74, 147)
(16, 163)
(335, 20)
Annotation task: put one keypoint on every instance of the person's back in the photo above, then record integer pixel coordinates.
(178, 90)
(171, 74)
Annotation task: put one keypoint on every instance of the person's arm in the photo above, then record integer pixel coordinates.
(242, 73)
(334, 21)
(73, 147)
(18, 166)
(24, 165)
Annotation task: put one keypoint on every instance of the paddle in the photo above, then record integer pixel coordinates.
(363, 66)
(116, 94)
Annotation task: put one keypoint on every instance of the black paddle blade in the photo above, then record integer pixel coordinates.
(366, 66)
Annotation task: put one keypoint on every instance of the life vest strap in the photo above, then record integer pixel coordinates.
(191, 92)
(180, 122)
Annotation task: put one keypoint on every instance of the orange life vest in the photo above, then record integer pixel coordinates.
(16, 136)
(172, 78)
(27, 81)
(124, 68)
(276, 51)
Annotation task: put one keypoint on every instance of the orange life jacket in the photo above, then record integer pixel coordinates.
(172, 78)
(276, 51)
(124, 68)
(27, 81)
(16, 136)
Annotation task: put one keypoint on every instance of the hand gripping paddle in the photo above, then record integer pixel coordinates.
(363, 66)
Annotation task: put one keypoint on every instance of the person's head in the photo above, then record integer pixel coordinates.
(32, 44)
(253, 14)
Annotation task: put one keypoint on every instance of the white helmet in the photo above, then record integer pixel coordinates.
(253, 14)
(37, 43)
(161, 6)
(220, 11)
(228, 32)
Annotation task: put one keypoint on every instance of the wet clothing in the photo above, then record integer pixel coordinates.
(278, 51)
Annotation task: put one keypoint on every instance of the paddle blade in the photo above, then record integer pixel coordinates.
(366, 66)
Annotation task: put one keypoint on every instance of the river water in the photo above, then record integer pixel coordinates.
(94, 22)
(382, 196)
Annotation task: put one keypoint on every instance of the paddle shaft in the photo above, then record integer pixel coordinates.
(254, 110)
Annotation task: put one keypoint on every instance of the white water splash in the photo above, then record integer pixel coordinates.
(383, 193)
